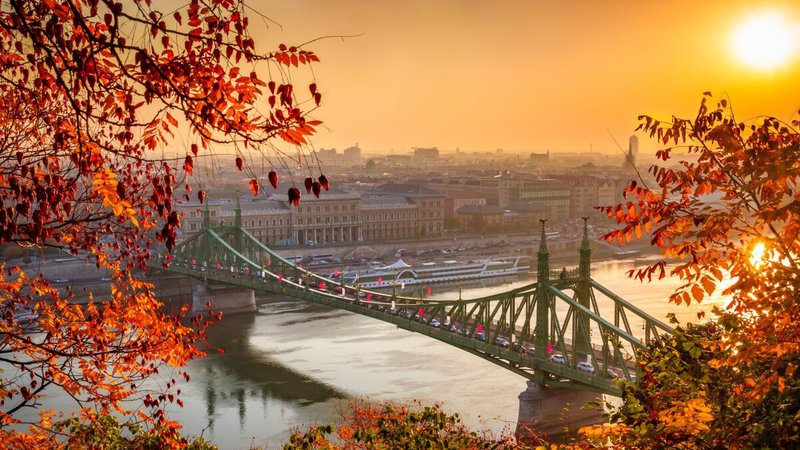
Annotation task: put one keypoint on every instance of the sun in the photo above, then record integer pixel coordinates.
(766, 41)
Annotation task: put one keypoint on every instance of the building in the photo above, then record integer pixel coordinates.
(583, 193)
(268, 220)
(525, 216)
(352, 155)
(426, 153)
(393, 212)
(388, 217)
(479, 218)
(504, 189)
(327, 155)
(399, 160)
(629, 165)
(551, 193)
(455, 199)
(540, 158)
(430, 205)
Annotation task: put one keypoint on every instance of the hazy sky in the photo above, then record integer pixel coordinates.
(523, 75)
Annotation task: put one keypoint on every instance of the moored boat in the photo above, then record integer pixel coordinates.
(401, 274)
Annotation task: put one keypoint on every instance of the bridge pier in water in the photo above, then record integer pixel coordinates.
(225, 299)
(555, 411)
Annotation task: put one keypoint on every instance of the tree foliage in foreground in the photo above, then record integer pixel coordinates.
(92, 92)
(729, 211)
(389, 426)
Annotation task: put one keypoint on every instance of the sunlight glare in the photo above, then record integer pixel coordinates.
(766, 40)
(757, 254)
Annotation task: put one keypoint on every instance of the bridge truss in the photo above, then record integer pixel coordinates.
(542, 331)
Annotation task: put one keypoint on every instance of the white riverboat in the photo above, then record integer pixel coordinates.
(401, 274)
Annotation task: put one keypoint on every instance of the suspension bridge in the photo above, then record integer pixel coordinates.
(551, 331)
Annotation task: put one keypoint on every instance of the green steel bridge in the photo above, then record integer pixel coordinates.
(542, 331)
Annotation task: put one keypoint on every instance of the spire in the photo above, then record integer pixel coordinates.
(585, 250)
(543, 240)
(543, 262)
(206, 216)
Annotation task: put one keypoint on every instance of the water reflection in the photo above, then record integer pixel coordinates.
(249, 364)
(250, 382)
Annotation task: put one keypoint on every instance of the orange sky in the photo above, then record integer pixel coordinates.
(521, 75)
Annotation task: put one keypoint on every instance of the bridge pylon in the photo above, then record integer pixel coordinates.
(543, 299)
(582, 338)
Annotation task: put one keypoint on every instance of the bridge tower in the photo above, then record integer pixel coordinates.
(237, 224)
(538, 404)
(228, 300)
(583, 293)
(543, 298)
(206, 246)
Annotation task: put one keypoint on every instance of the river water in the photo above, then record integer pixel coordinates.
(294, 364)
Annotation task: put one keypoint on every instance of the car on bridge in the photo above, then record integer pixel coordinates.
(502, 342)
(393, 311)
(480, 336)
(454, 329)
(585, 367)
(435, 323)
(611, 374)
(558, 358)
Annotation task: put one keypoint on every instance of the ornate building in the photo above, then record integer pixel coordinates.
(334, 217)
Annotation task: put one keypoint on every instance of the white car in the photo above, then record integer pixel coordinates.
(585, 367)
(435, 323)
(558, 358)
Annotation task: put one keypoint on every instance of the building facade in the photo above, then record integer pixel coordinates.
(337, 216)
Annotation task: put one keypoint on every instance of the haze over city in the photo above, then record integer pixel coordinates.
(531, 76)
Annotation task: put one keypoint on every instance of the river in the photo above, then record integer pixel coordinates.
(294, 363)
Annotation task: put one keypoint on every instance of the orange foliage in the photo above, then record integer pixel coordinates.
(88, 91)
(729, 209)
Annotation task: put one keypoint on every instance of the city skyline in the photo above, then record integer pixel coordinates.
(524, 76)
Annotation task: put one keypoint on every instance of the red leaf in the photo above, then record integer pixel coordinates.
(188, 165)
(308, 183)
(239, 162)
(273, 179)
(316, 188)
(194, 149)
(294, 196)
(323, 180)
(201, 195)
(254, 186)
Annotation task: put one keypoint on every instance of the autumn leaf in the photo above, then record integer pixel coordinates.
(254, 187)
